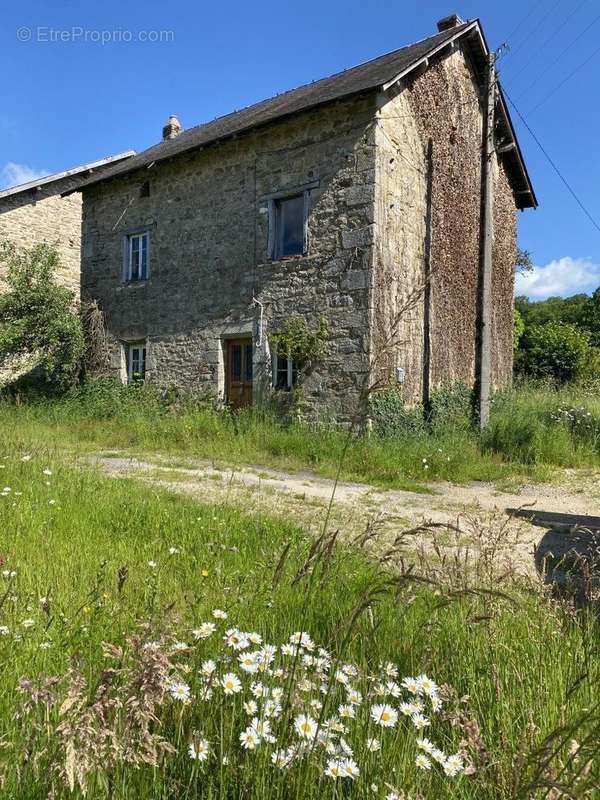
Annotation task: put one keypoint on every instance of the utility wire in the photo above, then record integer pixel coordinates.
(558, 57)
(547, 41)
(543, 18)
(568, 78)
(552, 163)
(523, 21)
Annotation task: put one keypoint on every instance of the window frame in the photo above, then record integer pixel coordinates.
(292, 373)
(274, 201)
(129, 347)
(128, 241)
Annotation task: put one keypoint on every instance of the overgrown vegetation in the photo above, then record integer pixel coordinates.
(529, 433)
(107, 680)
(40, 328)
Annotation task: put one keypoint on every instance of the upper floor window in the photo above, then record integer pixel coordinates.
(137, 257)
(136, 361)
(288, 220)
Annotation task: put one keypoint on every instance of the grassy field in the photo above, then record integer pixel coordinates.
(107, 611)
(533, 430)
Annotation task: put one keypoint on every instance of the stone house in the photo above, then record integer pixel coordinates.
(355, 199)
(36, 212)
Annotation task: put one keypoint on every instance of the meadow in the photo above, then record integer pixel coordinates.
(155, 647)
(535, 429)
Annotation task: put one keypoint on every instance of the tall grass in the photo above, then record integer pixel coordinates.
(87, 559)
(533, 429)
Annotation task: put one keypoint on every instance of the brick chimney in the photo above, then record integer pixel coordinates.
(172, 129)
(448, 22)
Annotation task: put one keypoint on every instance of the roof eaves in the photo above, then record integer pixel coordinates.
(68, 173)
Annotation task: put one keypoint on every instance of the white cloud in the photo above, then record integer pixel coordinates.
(564, 276)
(13, 174)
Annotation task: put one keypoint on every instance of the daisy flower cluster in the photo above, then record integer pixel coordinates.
(299, 704)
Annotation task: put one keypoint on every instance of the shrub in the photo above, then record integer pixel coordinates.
(39, 326)
(555, 350)
(518, 328)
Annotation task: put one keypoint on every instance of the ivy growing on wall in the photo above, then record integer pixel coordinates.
(304, 345)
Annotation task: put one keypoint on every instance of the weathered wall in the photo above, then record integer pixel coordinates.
(208, 225)
(33, 217)
(440, 107)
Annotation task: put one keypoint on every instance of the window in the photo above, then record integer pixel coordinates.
(136, 257)
(289, 215)
(136, 361)
(285, 372)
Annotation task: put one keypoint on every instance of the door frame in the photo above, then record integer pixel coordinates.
(247, 385)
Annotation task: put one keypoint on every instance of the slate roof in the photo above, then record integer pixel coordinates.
(64, 177)
(370, 75)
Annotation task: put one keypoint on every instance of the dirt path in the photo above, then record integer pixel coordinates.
(304, 497)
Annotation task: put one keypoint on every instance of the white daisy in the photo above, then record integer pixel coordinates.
(306, 727)
(179, 691)
(373, 744)
(422, 762)
(231, 683)
(199, 750)
(420, 722)
(349, 768)
(218, 613)
(249, 739)
(384, 715)
(208, 667)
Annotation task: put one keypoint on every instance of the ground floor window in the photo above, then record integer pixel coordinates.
(135, 353)
(285, 371)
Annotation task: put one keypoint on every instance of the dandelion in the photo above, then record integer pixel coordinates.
(231, 683)
(422, 762)
(199, 750)
(219, 613)
(384, 715)
(306, 727)
(249, 739)
(180, 691)
(204, 631)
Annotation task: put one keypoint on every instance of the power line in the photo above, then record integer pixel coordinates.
(559, 56)
(523, 21)
(568, 78)
(552, 163)
(547, 41)
(543, 18)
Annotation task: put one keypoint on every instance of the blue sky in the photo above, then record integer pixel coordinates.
(71, 101)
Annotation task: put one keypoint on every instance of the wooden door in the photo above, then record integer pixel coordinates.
(239, 372)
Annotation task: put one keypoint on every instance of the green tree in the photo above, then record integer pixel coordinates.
(518, 329)
(555, 350)
(39, 323)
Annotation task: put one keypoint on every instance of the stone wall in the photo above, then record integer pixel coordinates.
(440, 110)
(207, 214)
(33, 217)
